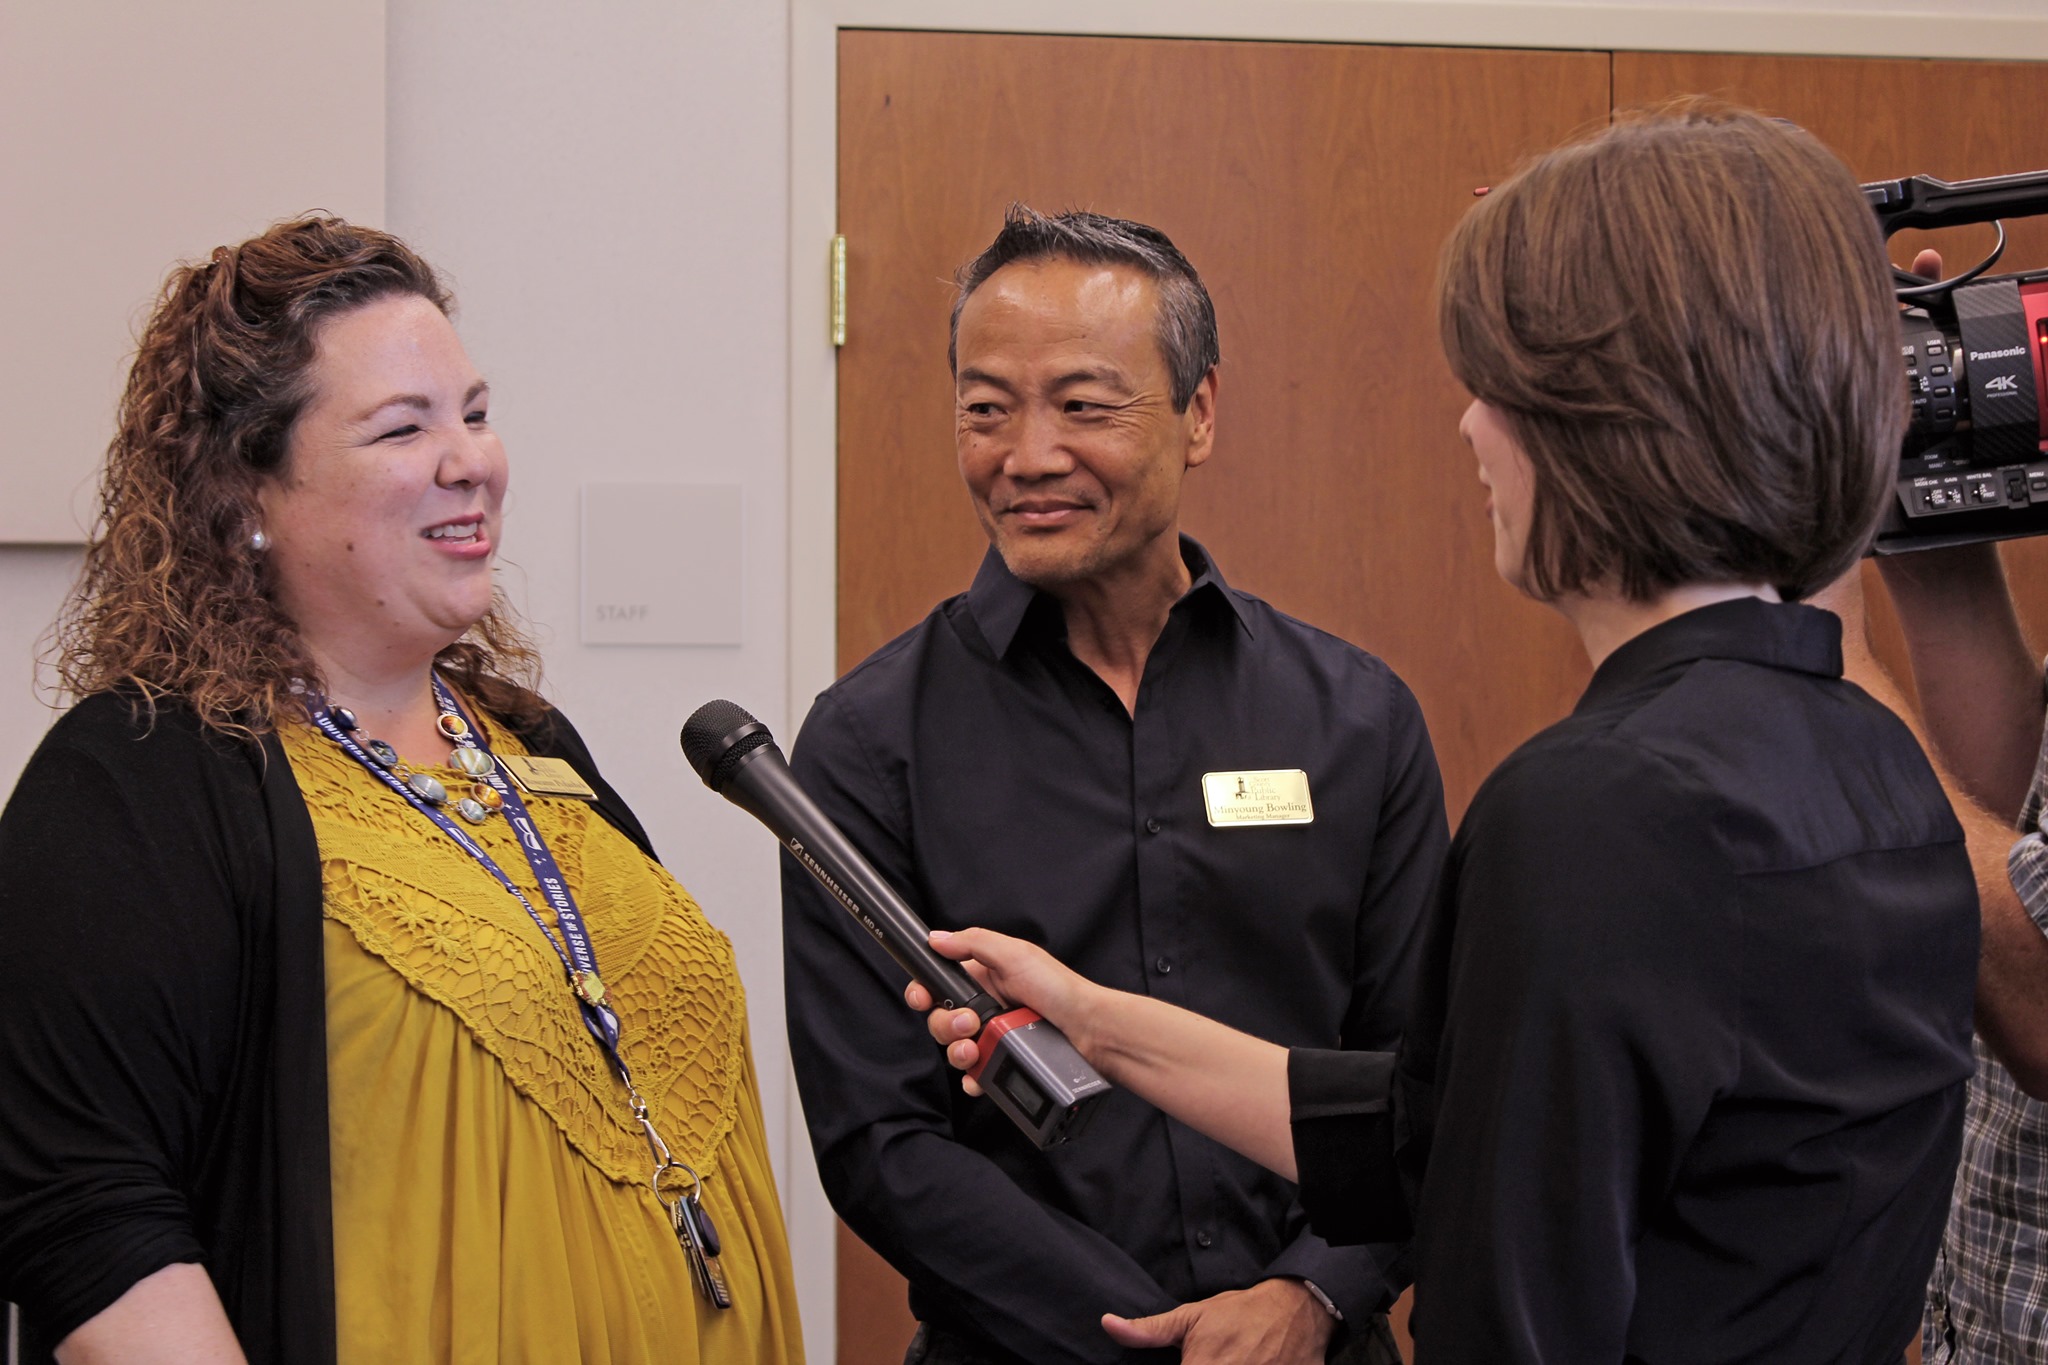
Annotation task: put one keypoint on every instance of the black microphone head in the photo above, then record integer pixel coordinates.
(718, 737)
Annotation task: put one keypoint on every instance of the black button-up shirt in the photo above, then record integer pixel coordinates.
(1686, 1075)
(995, 780)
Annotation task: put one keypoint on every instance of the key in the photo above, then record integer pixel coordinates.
(707, 1231)
(708, 1246)
(686, 1238)
(705, 1272)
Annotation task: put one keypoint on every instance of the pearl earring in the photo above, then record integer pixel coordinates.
(259, 542)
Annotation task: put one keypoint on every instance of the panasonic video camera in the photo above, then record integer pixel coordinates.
(1975, 464)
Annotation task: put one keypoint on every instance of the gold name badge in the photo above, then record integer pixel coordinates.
(547, 777)
(1276, 796)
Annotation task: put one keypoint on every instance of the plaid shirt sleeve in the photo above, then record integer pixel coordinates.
(1987, 1302)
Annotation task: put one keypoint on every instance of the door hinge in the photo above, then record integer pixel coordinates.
(839, 290)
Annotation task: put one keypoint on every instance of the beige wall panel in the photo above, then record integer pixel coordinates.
(132, 136)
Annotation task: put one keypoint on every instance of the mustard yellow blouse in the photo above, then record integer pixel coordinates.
(491, 1199)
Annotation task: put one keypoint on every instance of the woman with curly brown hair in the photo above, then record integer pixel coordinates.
(349, 1014)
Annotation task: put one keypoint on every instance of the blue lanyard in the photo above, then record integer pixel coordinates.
(683, 1203)
(579, 959)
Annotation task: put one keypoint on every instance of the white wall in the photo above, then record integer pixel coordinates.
(33, 582)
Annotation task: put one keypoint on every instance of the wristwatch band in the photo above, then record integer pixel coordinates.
(1316, 1292)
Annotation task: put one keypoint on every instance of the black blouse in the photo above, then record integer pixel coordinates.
(1686, 1076)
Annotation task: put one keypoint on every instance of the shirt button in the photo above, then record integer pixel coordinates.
(1153, 826)
(1203, 1239)
(1163, 965)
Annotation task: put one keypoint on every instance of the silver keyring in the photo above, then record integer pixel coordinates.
(667, 1199)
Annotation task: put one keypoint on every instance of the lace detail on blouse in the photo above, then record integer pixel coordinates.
(412, 897)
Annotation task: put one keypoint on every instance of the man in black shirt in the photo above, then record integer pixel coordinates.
(1103, 747)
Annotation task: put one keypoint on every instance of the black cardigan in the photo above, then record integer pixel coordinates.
(163, 1050)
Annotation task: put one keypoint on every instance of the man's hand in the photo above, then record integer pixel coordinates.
(1275, 1322)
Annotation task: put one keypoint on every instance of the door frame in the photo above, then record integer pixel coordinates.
(1836, 28)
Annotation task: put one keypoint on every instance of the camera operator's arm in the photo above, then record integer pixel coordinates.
(1980, 689)
(1979, 693)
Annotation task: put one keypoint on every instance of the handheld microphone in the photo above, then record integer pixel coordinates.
(1027, 1066)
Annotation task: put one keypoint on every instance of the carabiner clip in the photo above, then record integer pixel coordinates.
(655, 1146)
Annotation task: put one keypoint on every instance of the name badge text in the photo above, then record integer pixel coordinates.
(1272, 796)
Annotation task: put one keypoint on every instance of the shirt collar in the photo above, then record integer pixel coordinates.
(999, 600)
(1748, 630)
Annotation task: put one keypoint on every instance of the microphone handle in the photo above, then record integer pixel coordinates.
(764, 787)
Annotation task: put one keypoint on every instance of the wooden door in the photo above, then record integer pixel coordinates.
(1312, 185)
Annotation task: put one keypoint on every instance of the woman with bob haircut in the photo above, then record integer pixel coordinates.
(1685, 1076)
(349, 1015)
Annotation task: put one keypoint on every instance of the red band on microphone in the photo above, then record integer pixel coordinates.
(991, 1036)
